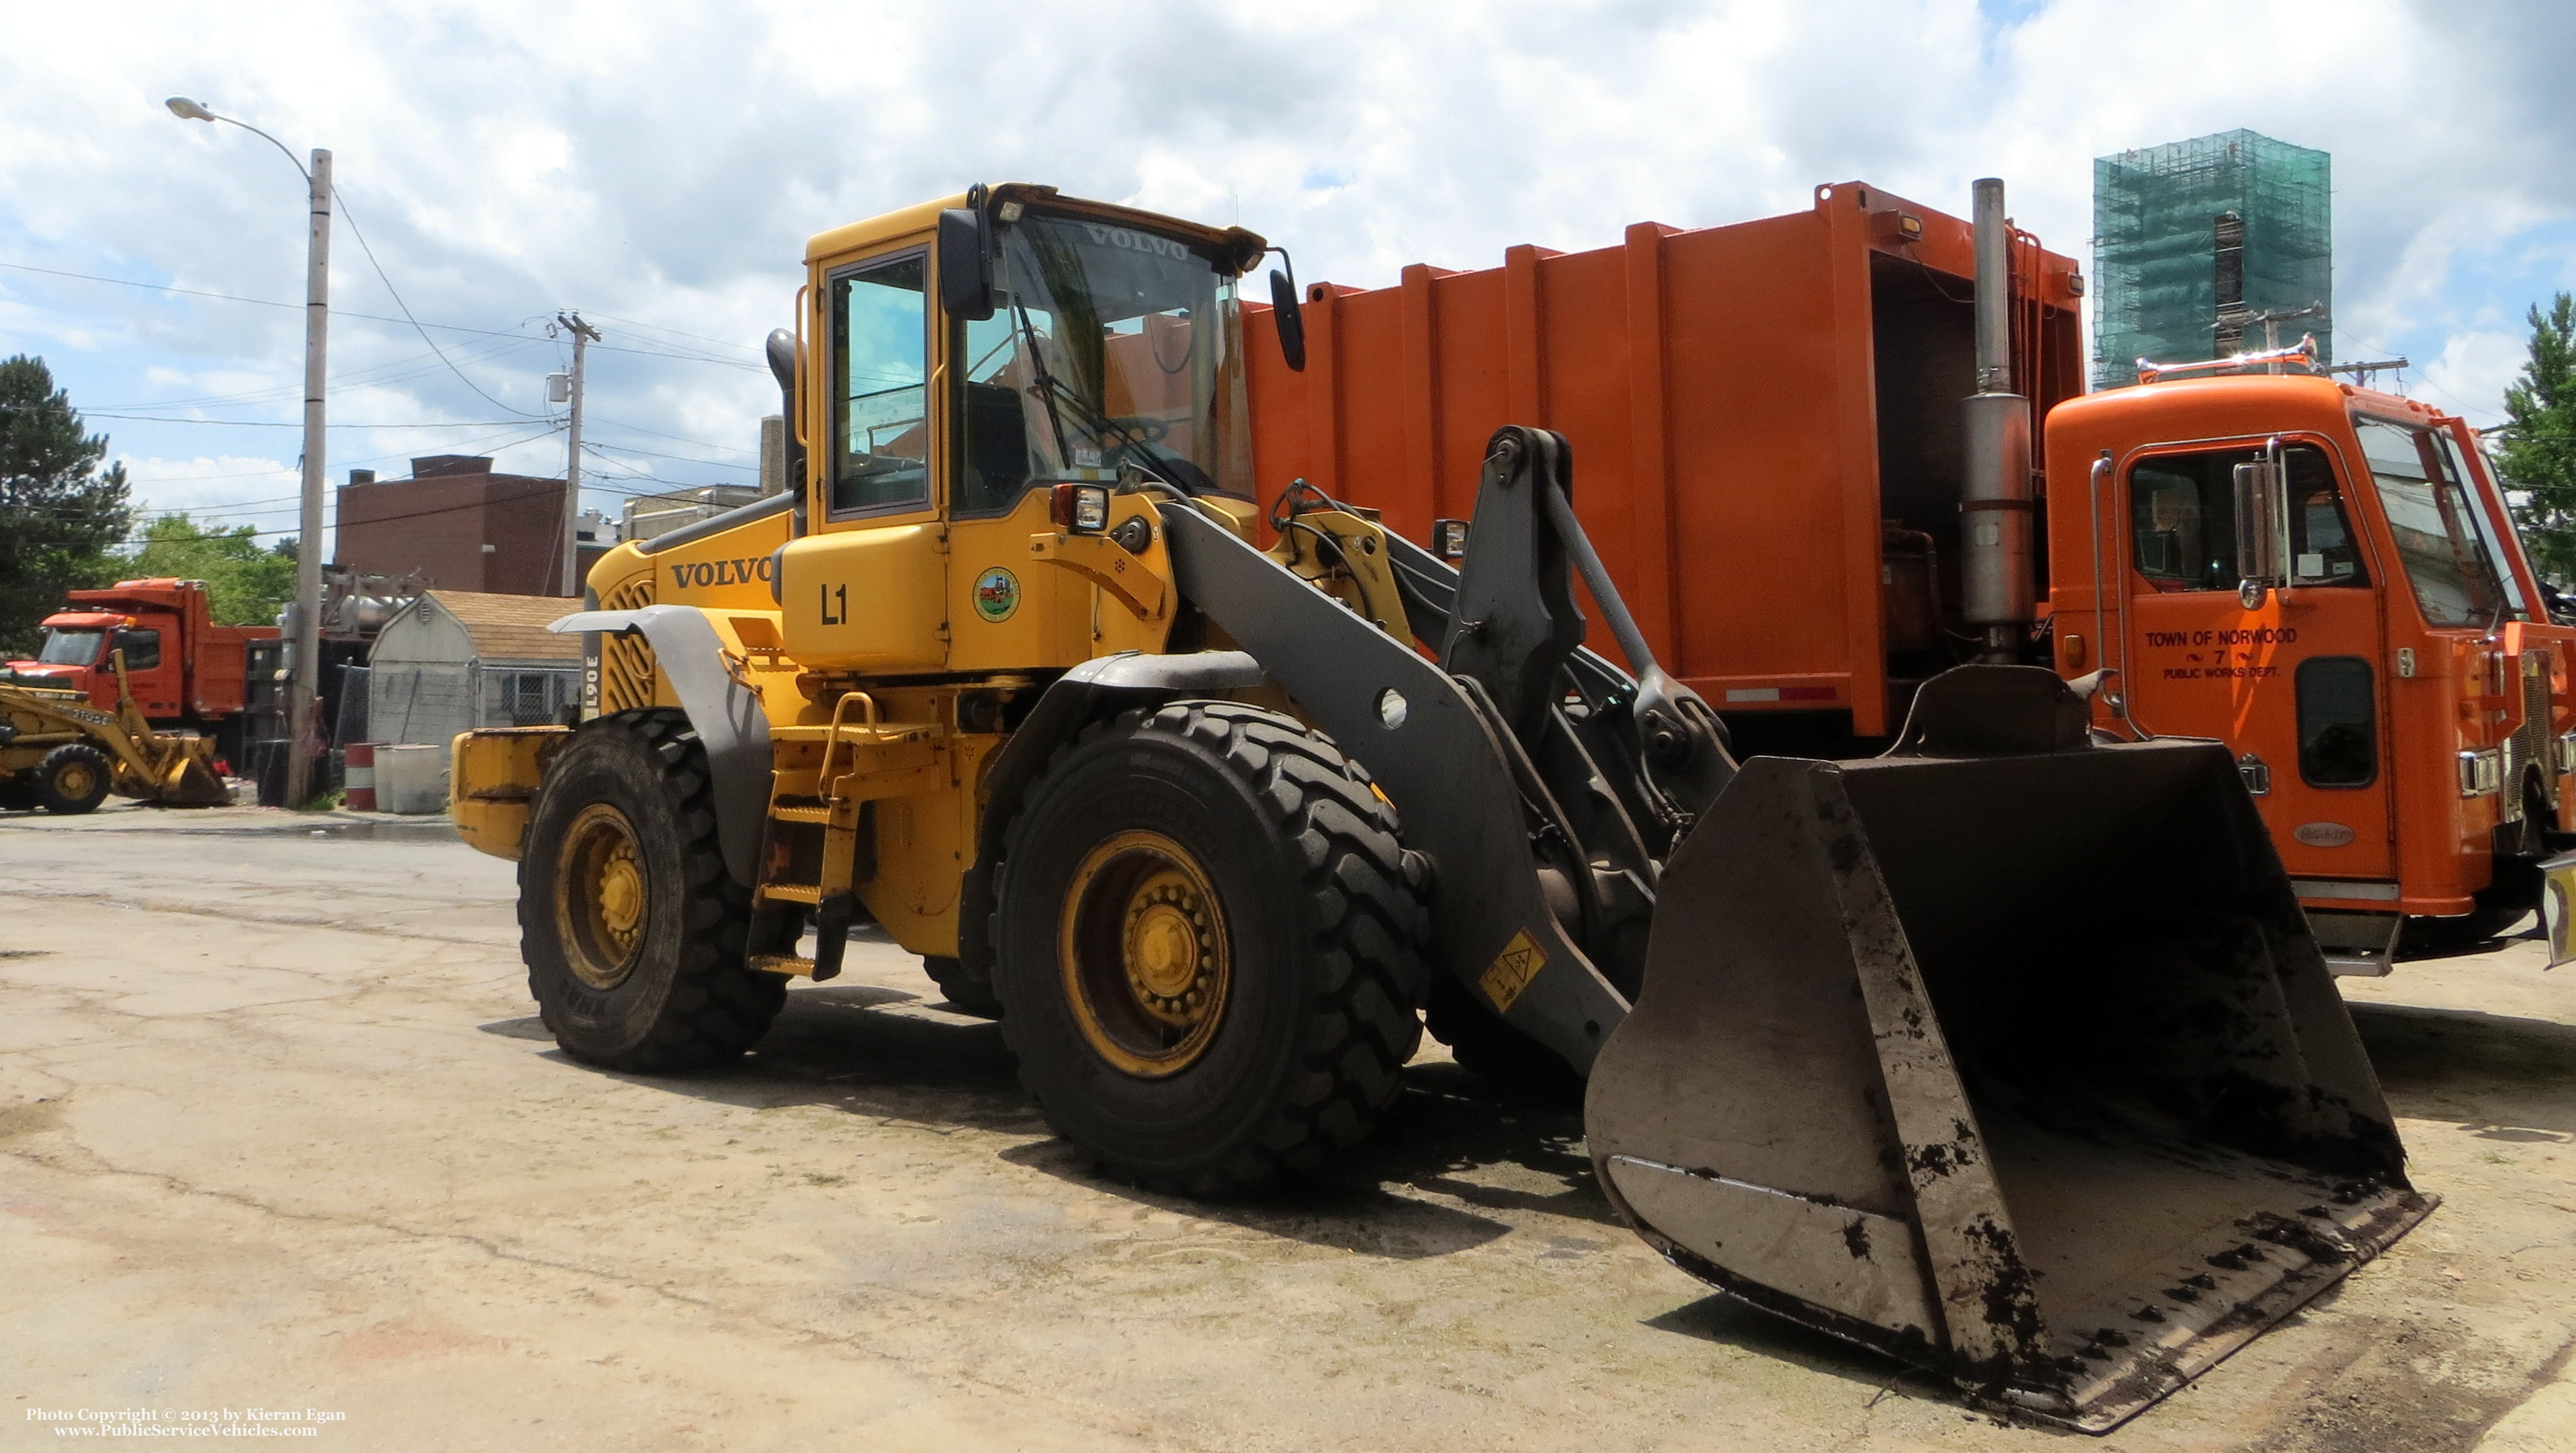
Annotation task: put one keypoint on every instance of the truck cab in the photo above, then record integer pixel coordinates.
(2325, 577)
(75, 657)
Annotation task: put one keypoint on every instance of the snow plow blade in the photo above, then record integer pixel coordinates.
(2009, 1055)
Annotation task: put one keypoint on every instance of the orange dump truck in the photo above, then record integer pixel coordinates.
(1829, 454)
(184, 670)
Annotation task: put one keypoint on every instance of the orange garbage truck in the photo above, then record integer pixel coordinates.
(1828, 455)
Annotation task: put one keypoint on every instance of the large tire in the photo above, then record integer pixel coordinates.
(965, 989)
(1208, 947)
(72, 779)
(634, 934)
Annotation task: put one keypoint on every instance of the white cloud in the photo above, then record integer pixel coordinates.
(248, 489)
(2472, 373)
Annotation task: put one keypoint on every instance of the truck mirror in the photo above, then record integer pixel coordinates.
(1290, 318)
(965, 265)
(2260, 514)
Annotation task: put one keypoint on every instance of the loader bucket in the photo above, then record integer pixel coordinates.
(2020, 1067)
(191, 782)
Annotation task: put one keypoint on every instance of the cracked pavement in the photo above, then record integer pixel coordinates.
(277, 1126)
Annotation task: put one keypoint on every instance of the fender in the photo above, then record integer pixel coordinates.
(728, 718)
(1102, 686)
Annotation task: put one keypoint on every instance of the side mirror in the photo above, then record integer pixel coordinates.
(965, 265)
(1290, 318)
(2261, 519)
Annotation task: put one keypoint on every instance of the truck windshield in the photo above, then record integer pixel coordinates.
(70, 648)
(1110, 346)
(2445, 541)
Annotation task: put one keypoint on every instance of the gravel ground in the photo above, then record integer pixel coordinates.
(280, 1138)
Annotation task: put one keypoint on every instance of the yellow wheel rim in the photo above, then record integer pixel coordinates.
(601, 897)
(76, 780)
(1145, 954)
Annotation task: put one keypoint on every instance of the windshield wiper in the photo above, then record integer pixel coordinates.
(1048, 388)
(1172, 469)
(1163, 465)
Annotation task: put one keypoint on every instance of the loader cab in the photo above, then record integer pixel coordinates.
(2327, 579)
(1107, 350)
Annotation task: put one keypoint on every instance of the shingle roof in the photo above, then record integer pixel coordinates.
(512, 627)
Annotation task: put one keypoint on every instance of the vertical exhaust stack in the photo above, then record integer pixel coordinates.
(1995, 497)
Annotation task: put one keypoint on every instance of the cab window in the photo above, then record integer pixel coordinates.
(880, 320)
(2338, 723)
(142, 649)
(2182, 520)
(995, 418)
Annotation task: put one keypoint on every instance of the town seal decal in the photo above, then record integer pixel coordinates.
(997, 594)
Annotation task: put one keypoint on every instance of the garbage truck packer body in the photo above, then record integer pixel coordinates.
(1781, 466)
(1215, 829)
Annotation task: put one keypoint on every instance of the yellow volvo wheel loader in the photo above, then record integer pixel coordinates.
(2008, 1053)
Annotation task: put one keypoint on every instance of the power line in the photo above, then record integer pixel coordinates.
(368, 459)
(681, 438)
(272, 424)
(374, 376)
(410, 515)
(360, 234)
(680, 458)
(361, 317)
(255, 302)
(658, 328)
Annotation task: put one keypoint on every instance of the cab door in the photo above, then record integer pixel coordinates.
(151, 673)
(2293, 685)
(867, 590)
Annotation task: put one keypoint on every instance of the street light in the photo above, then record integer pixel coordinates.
(304, 675)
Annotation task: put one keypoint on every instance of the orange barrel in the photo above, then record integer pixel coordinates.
(359, 777)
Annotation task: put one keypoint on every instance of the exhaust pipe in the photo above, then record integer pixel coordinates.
(1995, 497)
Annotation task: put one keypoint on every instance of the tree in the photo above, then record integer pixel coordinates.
(245, 585)
(59, 512)
(2538, 457)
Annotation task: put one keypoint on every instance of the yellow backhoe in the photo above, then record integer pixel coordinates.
(59, 753)
(2008, 1052)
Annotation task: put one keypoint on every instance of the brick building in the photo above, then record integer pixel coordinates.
(462, 526)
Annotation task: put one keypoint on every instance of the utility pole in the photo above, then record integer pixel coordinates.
(304, 666)
(582, 335)
(303, 685)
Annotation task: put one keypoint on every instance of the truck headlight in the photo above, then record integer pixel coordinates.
(2566, 763)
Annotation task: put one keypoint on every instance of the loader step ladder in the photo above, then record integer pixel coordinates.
(863, 762)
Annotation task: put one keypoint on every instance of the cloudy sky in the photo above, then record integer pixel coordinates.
(658, 166)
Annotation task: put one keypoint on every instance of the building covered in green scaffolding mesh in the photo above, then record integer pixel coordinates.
(2208, 247)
